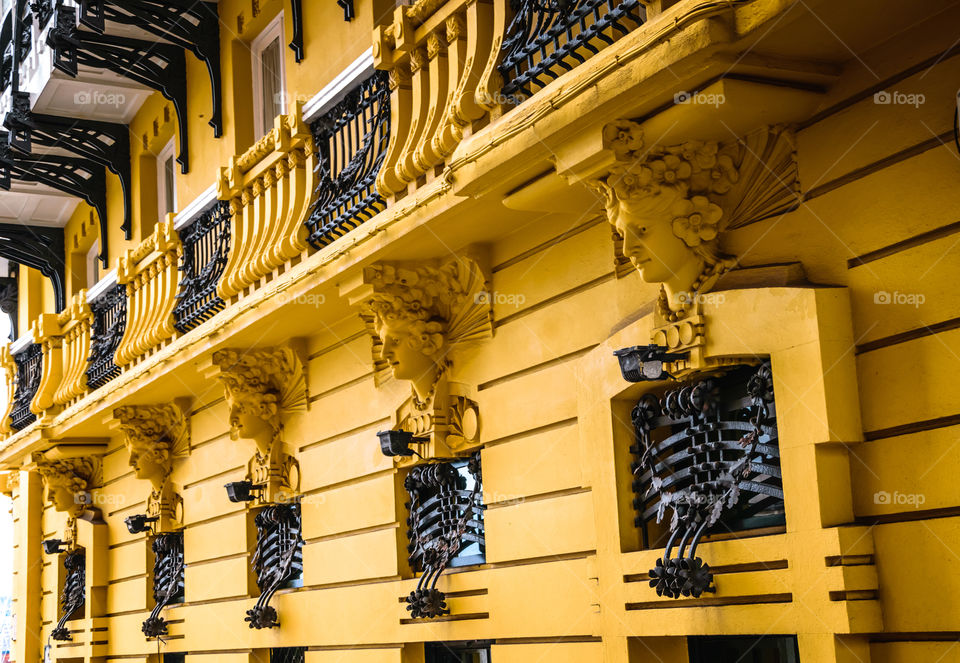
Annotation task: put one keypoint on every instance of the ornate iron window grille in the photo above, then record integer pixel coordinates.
(109, 322)
(351, 140)
(277, 560)
(287, 654)
(206, 247)
(29, 369)
(446, 519)
(708, 452)
(74, 592)
(168, 577)
(547, 38)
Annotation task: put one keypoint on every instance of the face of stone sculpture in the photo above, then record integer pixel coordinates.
(145, 466)
(64, 500)
(402, 351)
(249, 426)
(649, 240)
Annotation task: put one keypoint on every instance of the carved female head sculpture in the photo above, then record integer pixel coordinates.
(153, 435)
(419, 313)
(68, 482)
(670, 205)
(258, 386)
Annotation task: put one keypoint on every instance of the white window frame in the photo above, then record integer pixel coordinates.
(273, 30)
(92, 265)
(166, 154)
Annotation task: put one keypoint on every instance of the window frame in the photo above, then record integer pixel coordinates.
(273, 30)
(168, 153)
(92, 265)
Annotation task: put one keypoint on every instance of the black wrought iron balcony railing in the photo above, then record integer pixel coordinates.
(351, 140)
(29, 369)
(109, 321)
(206, 248)
(548, 38)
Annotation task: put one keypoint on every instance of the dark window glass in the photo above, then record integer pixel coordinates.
(448, 652)
(744, 649)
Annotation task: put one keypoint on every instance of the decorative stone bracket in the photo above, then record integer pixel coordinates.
(262, 386)
(70, 472)
(156, 436)
(420, 316)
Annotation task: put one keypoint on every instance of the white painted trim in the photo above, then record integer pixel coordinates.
(103, 285)
(21, 344)
(195, 208)
(324, 100)
(273, 30)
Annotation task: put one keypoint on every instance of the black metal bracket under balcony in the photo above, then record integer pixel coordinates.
(29, 370)
(74, 593)
(707, 454)
(206, 247)
(161, 67)
(38, 247)
(277, 560)
(74, 176)
(296, 15)
(109, 322)
(105, 143)
(547, 39)
(351, 140)
(167, 580)
(192, 25)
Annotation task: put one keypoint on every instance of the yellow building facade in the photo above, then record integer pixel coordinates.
(481, 331)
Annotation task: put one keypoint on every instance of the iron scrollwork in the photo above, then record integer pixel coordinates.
(206, 247)
(167, 580)
(446, 515)
(38, 247)
(708, 452)
(277, 560)
(29, 370)
(191, 25)
(109, 322)
(549, 37)
(161, 67)
(74, 592)
(351, 141)
(43, 10)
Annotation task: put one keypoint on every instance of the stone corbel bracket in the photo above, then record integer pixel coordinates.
(263, 386)
(441, 57)
(269, 188)
(151, 277)
(420, 316)
(156, 436)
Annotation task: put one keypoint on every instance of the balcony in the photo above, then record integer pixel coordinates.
(206, 246)
(108, 304)
(28, 358)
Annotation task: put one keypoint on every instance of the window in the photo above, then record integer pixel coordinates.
(166, 182)
(450, 652)
(744, 649)
(174, 658)
(287, 655)
(268, 76)
(93, 265)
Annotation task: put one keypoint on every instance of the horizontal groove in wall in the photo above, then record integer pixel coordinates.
(213, 519)
(141, 505)
(123, 544)
(513, 437)
(536, 368)
(339, 344)
(916, 636)
(539, 497)
(914, 427)
(136, 576)
(341, 387)
(353, 583)
(346, 433)
(569, 639)
(119, 477)
(207, 406)
(880, 164)
(908, 516)
(347, 482)
(848, 560)
(212, 477)
(550, 301)
(353, 532)
(214, 560)
(482, 591)
(469, 616)
(711, 602)
(216, 438)
(520, 257)
(773, 565)
(905, 244)
(909, 335)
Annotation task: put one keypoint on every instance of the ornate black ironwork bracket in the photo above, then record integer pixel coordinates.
(29, 371)
(192, 25)
(161, 67)
(348, 12)
(277, 560)
(206, 247)
(74, 592)
(109, 322)
(296, 14)
(9, 296)
(43, 10)
(105, 143)
(445, 516)
(38, 247)
(167, 580)
(643, 363)
(74, 176)
(708, 452)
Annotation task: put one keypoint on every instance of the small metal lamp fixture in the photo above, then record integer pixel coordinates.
(139, 522)
(644, 363)
(397, 442)
(242, 491)
(53, 546)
